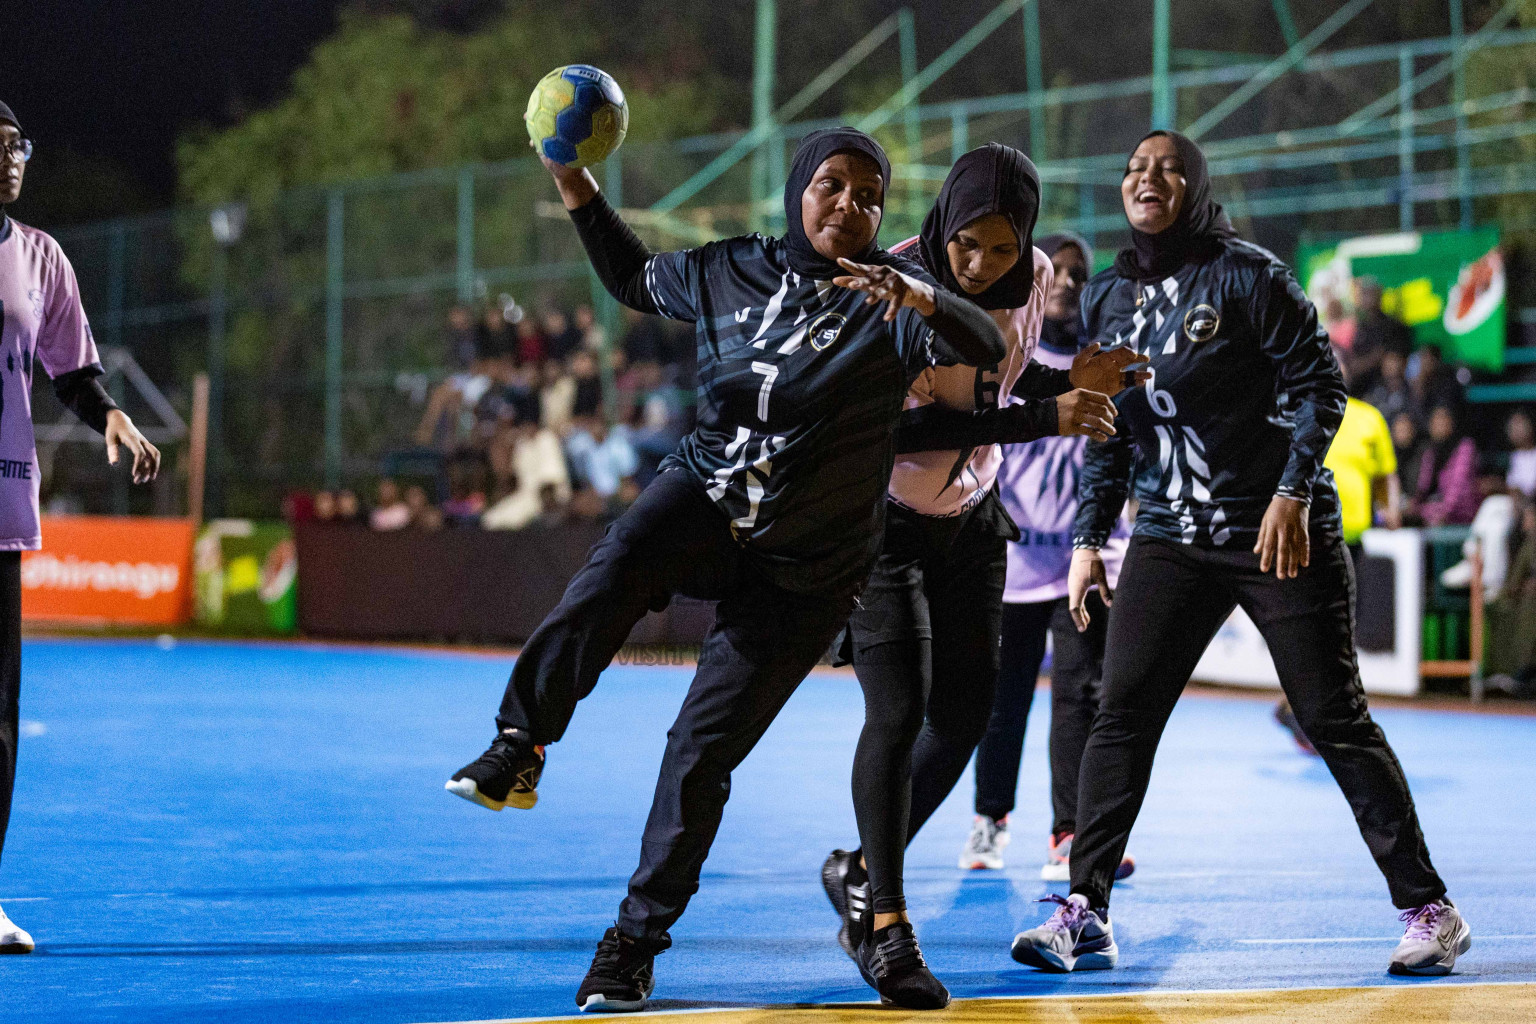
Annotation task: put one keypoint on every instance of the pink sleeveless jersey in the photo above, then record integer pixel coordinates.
(931, 482)
(42, 319)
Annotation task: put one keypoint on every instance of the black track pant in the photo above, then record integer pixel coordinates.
(10, 679)
(764, 640)
(1077, 666)
(1171, 600)
(925, 649)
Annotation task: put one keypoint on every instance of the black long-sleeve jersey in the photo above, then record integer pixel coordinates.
(800, 387)
(1243, 403)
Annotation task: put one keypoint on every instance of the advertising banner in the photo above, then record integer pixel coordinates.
(104, 570)
(247, 576)
(1447, 285)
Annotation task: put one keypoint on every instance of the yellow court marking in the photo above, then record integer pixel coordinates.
(1407, 1003)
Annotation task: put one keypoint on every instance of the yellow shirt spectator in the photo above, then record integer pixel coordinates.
(1360, 455)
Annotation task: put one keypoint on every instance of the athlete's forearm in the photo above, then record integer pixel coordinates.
(80, 392)
(1040, 381)
(1102, 488)
(616, 252)
(966, 330)
(933, 428)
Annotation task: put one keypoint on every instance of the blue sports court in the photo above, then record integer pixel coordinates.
(242, 832)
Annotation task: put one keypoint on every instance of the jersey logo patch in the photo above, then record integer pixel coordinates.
(1201, 323)
(825, 329)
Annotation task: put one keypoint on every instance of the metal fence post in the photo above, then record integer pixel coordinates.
(218, 334)
(906, 28)
(1034, 79)
(117, 289)
(1162, 90)
(1459, 98)
(763, 67)
(959, 134)
(1405, 139)
(464, 272)
(335, 280)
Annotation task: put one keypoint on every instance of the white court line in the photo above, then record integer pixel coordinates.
(1053, 997)
(24, 899)
(1366, 938)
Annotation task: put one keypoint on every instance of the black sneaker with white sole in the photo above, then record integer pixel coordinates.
(893, 966)
(621, 977)
(847, 887)
(505, 775)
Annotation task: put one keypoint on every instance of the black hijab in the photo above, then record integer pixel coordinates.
(1195, 234)
(812, 152)
(992, 179)
(1064, 335)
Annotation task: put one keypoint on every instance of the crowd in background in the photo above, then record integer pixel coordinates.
(1442, 477)
(520, 431)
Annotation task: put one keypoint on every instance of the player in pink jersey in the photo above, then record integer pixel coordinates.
(924, 637)
(41, 319)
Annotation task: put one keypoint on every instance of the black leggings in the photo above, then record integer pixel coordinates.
(10, 679)
(1077, 666)
(764, 640)
(1171, 600)
(925, 648)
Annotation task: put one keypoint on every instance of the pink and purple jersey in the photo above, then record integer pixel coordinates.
(42, 318)
(1038, 485)
(930, 482)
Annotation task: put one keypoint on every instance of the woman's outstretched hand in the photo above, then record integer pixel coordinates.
(886, 284)
(1086, 572)
(1104, 372)
(1283, 541)
(1086, 414)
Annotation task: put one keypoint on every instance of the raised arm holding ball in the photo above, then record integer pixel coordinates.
(773, 506)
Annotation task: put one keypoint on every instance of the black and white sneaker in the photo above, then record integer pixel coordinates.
(506, 774)
(894, 967)
(620, 979)
(847, 887)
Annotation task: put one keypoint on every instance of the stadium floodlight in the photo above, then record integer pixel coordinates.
(227, 222)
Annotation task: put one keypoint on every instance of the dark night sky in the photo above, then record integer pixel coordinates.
(114, 82)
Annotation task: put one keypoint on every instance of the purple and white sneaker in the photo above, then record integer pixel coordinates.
(1437, 934)
(1074, 939)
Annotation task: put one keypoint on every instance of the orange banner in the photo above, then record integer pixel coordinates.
(105, 570)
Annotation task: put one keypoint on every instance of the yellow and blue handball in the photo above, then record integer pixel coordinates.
(577, 115)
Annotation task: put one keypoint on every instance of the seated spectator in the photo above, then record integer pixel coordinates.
(424, 515)
(494, 340)
(390, 512)
(589, 386)
(348, 508)
(561, 339)
(526, 457)
(1511, 653)
(448, 419)
(557, 396)
(593, 337)
(1521, 478)
(1405, 443)
(1339, 325)
(1392, 393)
(299, 506)
(530, 345)
(1447, 493)
(551, 508)
(1376, 333)
(466, 489)
(1435, 383)
(324, 506)
(462, 341)
(601, 458)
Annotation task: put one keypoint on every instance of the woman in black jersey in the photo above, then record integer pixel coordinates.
(773, 506)
(1225, 444)
(924, 637)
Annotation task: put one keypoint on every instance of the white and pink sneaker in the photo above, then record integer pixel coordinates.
(1058, 857)
(12, 938)
(1075, 938)
(1437, 934)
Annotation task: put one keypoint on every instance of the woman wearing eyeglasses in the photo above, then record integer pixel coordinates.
(41, 318)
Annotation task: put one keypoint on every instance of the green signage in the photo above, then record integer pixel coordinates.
(245, 574)
(1447, 285)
